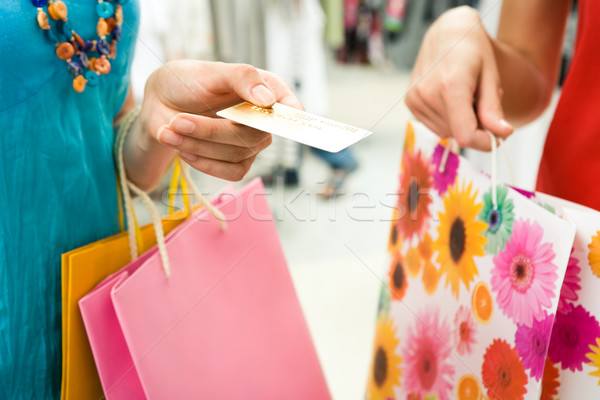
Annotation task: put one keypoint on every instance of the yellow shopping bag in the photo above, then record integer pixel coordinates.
(82, 270)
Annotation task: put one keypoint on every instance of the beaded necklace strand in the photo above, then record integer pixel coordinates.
(86, 59)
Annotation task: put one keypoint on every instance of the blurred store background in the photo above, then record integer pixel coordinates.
(348, 60)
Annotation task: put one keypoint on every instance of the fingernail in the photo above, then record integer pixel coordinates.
(167, 136)
(263, 95)
(182, 125)
(188, 157)
(505, 124)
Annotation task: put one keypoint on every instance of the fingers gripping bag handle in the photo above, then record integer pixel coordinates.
(180, 174)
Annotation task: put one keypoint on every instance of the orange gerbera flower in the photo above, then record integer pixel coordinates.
(413, 197)
(502, 372)
(395, 241)
(550, 381)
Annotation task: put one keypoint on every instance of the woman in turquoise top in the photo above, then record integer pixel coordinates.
(57, 180)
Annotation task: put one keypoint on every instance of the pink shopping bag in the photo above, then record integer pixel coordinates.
(226, 324)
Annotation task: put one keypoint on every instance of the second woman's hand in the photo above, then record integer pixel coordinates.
(455, 86)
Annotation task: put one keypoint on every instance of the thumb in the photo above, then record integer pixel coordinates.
(489, 104)
(247, 82)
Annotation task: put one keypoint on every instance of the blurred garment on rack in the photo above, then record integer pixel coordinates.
(402, 23)
(334, 23)
(239, 31)
(357, 26)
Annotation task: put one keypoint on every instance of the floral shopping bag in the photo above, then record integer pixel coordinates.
(572, 368)
(473, 285)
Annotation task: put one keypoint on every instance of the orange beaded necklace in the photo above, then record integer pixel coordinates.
(86, 60)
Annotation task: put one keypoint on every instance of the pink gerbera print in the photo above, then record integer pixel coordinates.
(572, 334)
(446, 177)
(464, 330)
(532, 344)
(426, 357)
(524, 276)
(568, 292)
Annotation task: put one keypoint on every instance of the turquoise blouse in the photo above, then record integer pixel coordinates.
(57, 183)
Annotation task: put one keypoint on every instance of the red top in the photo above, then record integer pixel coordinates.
(570, 166)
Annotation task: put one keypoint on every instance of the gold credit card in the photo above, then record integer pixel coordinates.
(296, 125)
